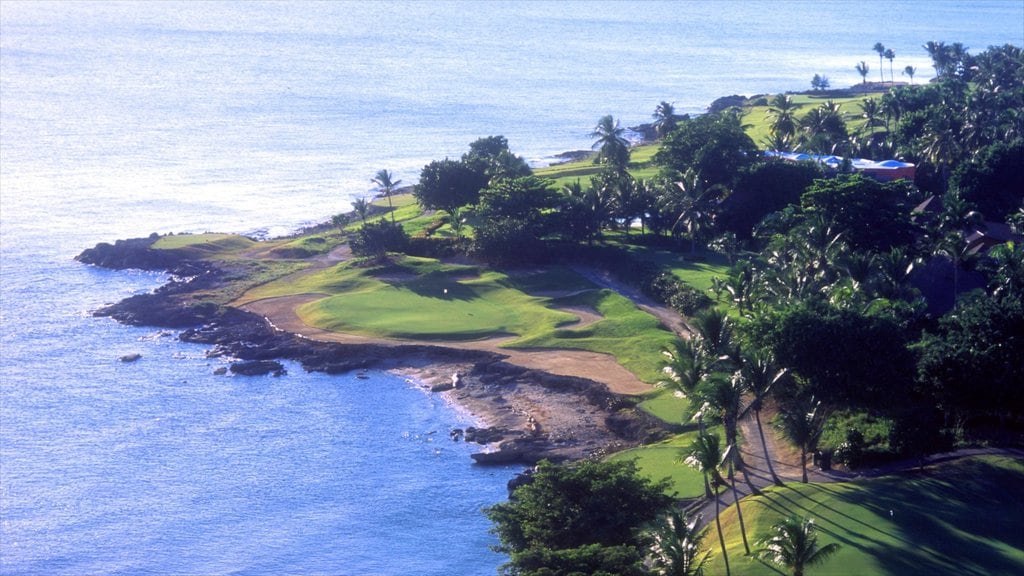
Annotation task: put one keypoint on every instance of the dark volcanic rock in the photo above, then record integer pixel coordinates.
(257, 368)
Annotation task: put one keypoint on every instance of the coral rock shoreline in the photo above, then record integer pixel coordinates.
(528, 414)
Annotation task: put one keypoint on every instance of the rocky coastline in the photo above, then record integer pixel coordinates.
(527, 414)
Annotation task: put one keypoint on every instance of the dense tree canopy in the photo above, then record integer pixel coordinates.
(714, 145)
(587, 510)
(448, 184)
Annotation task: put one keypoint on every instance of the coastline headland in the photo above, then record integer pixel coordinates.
(526, 414)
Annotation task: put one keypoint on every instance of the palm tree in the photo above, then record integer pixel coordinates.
(685, 364)
(870, 110)
(613, 149)
(794, 544)
(664, 119)
(782, 114)
(760, 374)
(863, 69)
(939, 53)
(705, 456)
(731, 460)
(716, 337)
(676, 545)
(386, 186)
(802, 421)
(362, 207)
(890, 55)
(880, 48)
(694, 205)
(910, 71)
(722, 395)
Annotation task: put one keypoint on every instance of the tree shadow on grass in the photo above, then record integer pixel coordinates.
(950, 521)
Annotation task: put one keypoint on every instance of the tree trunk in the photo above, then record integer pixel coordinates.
(764, 444)
(739, 512)
(803, 463)
(721, 537)
(392, 207)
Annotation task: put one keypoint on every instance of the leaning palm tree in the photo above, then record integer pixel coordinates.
(910, 71)
(863, 69)
(676, 545)
(612, 146)
(794, 545)
(664, 119)
(386, 186)
(705, 455)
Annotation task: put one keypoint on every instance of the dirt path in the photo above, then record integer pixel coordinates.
(603, 368)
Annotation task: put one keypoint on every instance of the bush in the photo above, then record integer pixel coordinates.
(378, 238)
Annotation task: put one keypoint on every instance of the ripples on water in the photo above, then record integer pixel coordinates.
(118, 120)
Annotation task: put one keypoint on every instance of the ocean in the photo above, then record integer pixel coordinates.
(118, 119)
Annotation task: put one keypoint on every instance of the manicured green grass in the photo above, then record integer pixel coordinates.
(698, 272)
(633, 336)
(442, 305)
(204, 244)
(665, 404)
(962, 517)
(665, 460)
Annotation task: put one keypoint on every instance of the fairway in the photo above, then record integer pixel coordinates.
(962, 517)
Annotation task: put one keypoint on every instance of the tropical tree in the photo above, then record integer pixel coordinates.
(705, 455)
(823, 127)
(870, 111)
(448, 184)
(880, 48)
(612, 146)
(694, 203)
(730, 461)
(782, 115)
(586, 516)
(386, 185)
(362, 208)
(890, 55)
(793, 544)
(760, 374)
(676, 545)
(863, 69)
(664, 119)
(802, 420)
(722, 394)
(910, 71)
(685, 364)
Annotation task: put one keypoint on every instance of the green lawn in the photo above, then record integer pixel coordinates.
(665, 460)
(962, 518)
(203, 244)
(757, 122)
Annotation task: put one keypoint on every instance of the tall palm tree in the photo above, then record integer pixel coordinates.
(760, 375)
(676, 545)
(716, 337)
(612, 146)
(880, 48)
(939, 53)
(863, 69)
(870, 111)
(386, 186)
(890, 55)
(910, 71)
(704, 456)
(722, 395)
(664, 119)
(793, 544)
(730, 460)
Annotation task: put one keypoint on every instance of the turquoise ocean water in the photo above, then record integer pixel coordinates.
(121, 119)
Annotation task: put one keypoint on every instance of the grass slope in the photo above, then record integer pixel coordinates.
(665, 460)
(960, 518)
